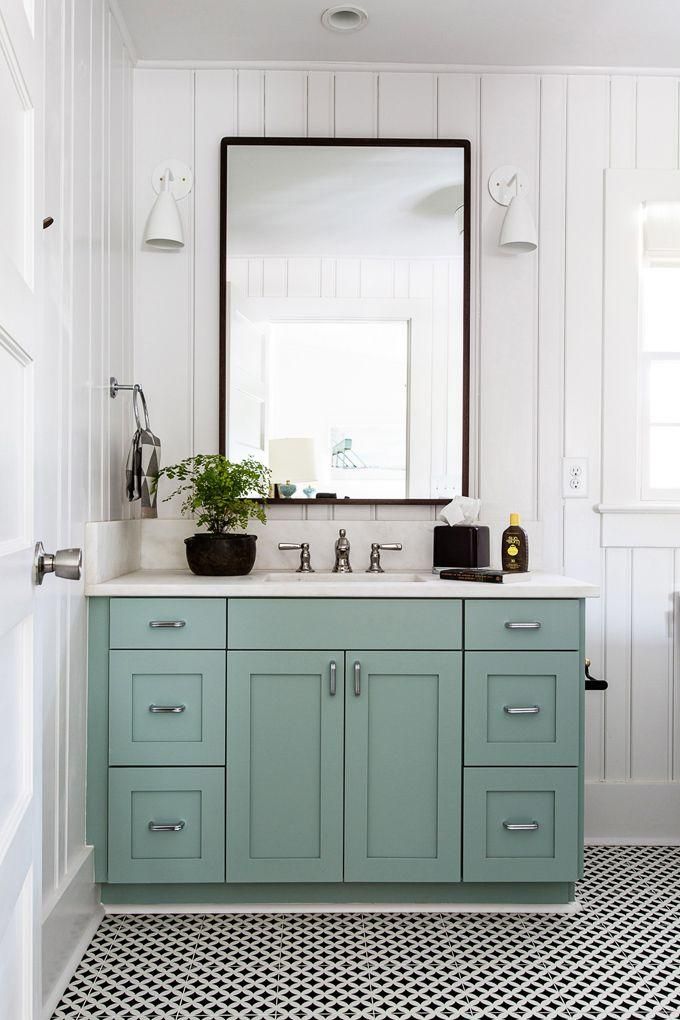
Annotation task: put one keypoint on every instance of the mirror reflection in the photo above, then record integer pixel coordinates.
(343, 317)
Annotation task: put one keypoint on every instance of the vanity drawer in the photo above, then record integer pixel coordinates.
(520, 825)
(168, 623)
(167, 708)
(522, 708)
(523, 624)
(300, 623)
(166, 825)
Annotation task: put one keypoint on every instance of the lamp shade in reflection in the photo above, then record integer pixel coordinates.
(293, 459)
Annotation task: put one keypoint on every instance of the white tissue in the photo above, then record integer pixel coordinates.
(461, 510)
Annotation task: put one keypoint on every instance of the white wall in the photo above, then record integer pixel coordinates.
(88, 284)
(536, 332)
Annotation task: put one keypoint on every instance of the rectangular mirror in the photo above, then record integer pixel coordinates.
(344, 315)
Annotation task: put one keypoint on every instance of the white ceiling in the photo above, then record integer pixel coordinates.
(599, 33)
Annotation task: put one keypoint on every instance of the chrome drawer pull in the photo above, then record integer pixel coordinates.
(334, 679)
(523, 626)
(521, 826)
(172, 624)
(174, 709)
(357, 679)
(522, 709)
(166, 826)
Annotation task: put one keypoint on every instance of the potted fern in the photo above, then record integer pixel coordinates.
(221, 495)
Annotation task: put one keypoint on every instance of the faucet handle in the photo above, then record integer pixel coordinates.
(305, 559)
(374, 563)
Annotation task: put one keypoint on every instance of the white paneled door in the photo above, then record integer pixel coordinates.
(20, 348)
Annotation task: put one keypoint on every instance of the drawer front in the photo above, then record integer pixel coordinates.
(520, 825)
(167, 708)
(168, 623)
(522, 708)
(433, 624)
(166, 825)
(522, 624)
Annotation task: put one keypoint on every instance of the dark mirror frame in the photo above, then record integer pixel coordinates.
(438, 143)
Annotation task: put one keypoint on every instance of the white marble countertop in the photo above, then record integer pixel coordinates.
(288, 584)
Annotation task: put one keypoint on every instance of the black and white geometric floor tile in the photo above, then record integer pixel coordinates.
(618, 958)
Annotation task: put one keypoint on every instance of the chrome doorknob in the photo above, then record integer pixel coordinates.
(66, 563)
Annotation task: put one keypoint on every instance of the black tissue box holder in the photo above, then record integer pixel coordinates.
(460, 545)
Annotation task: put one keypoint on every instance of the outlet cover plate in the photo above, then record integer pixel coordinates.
(574, 477)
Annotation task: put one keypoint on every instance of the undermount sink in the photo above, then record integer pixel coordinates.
(324, 577)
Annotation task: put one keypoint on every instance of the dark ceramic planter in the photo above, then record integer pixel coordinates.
(221, 555)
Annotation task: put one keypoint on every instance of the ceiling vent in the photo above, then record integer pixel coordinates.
(344, 19)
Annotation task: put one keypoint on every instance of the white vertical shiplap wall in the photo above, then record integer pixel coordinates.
(536, 337)
(88, 288)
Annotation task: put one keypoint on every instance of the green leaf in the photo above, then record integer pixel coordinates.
(221, 494)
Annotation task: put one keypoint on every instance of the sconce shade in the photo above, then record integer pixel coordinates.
(293, 460)
(164, 225)
(518, 233)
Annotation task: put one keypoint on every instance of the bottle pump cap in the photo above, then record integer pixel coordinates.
(514, 520)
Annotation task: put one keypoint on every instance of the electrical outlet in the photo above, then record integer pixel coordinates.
(574, 477)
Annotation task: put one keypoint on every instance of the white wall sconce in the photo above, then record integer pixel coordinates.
(172, 182)
(507, 186)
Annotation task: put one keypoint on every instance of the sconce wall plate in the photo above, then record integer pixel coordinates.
(182, 182)
(500, 187)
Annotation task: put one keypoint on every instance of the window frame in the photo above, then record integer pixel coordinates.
(647, 358)
(626, 365)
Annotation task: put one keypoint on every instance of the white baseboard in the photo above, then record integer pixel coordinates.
(632, 813)
(71, 917)
(346, 908)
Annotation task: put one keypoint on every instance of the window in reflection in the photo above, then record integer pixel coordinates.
(345, 385)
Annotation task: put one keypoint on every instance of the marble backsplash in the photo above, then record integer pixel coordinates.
(113, 548)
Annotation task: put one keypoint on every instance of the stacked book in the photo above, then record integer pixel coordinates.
(487, 575)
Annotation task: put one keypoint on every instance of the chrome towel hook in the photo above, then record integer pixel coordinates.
(137, 394)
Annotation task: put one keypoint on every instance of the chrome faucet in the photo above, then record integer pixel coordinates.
(305, 559)
(374, 566)
(342, 564)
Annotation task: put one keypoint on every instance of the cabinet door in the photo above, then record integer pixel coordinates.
(403, 755)
(284, 766)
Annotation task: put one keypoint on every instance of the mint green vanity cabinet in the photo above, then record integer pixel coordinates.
(403, 733)
(285, 766)
(276, 750)
(166, 706)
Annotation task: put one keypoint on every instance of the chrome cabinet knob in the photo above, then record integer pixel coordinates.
(66, 563)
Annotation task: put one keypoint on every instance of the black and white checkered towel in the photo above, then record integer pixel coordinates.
(141, 470)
